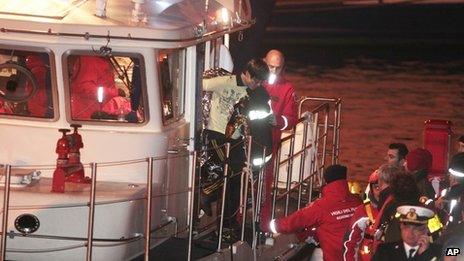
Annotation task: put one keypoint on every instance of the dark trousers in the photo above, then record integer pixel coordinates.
(236, 156)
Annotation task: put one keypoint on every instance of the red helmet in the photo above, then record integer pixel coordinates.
(374, 177)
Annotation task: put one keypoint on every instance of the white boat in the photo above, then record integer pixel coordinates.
(141, 63)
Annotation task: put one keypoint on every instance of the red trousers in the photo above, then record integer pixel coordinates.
(266, 205)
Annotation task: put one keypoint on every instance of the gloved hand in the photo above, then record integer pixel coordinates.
(272, 119)
(307, 116)
(237, 134)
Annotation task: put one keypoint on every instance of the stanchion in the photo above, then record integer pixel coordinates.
(226, 168)
(192, 209)
(91, 212)
(247, 179)
(148, 208)
(6, 203)
(289, 171)
(276, 182)
(302, 162)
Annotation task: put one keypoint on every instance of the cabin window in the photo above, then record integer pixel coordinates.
(105, 88)
(26, 84)
(171, 65)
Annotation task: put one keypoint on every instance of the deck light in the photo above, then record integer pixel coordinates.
(100, 94)
(225, 16)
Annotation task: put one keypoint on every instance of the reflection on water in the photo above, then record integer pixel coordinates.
(387, 94)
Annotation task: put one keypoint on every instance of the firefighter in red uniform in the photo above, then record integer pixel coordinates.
(282, 95)
(330, 214)
(358, 242)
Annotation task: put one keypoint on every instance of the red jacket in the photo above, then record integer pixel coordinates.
(359, 226)
(284, 106)
(38, 103)
(89, 73)
(330, 215)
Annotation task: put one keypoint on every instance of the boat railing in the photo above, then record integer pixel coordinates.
(317, 127)
(89, 240)
(334, 120)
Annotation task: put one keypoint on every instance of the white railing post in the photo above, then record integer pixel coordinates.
(224, 186)
(191, 207)
(148, 208)
(90, 226)
(245, 192)
(6, 203)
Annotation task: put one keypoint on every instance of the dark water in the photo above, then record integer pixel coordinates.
(442, 59)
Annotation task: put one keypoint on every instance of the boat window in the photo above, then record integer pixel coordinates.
(105, 88)
(26, 84)
(171, 64)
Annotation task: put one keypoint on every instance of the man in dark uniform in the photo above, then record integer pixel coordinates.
(415, 243)
(251, 116)
(257, 111)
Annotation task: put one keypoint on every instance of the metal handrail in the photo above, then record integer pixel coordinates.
(6, 202)
(245, 192)
(91, 212)
(148, 209)
(91, 204)
(224, 187)
(319, 144)
(322, 125)
(191, 205)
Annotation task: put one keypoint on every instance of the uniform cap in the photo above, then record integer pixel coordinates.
(414, 214)
(374, 177)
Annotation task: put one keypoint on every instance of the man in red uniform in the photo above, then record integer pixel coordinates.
(282, 96)
(283, 104)
(360, 242)
(362, 220)
(330, 214)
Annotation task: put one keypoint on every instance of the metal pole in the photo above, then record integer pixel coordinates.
(289, 171)
(191, 209)
(259, 193)
(276, 181)
(334, 138)
(338, 123)
(259, 197)
(247, 176)
(314, 168)
(91, 211)
(324, 141)
(302, 162)
(148, 208)
(197, 203)
(253, 204)
(310, 190)
(226, 170)
(6, 203)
